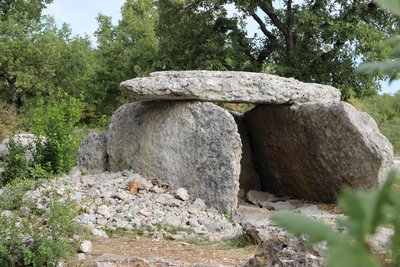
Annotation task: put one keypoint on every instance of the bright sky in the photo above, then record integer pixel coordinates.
(81, 16)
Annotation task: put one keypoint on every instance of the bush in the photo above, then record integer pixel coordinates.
(385, 109)
(366, 212)
(54, 151)
(57, 122)
(13, 193)
(15, 163)
(8, 119)
(43, 238)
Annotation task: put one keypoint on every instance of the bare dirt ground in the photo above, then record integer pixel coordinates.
(145, 247)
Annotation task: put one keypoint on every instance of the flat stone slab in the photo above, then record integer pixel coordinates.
(226, 86)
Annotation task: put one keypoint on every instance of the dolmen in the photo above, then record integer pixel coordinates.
(299, 140)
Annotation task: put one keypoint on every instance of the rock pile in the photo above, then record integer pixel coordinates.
(127, 201)
(300, 140)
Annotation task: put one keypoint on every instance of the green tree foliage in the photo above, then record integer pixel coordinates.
(36, 58)
(125, 51)
(56, 121)
(323, 40)
(385, 109)
(198, 35)
(312, 40)
(391, 66)
(22, 10)
(365, 213)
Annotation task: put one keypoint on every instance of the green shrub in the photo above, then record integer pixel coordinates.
(17, 168)
(243, 240)
(56, 120)
(15, 164)
(54, 151)
(43, 238)
(13, 193)
(385, 109)
(365, 213)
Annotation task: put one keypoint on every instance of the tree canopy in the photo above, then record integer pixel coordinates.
(319, 41)
(312, 40)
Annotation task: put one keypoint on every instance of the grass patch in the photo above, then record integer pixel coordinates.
(242, 241)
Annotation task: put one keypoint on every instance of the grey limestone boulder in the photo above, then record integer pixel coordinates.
(27, 140)
(226, 86)
(193, 145)
(313, 150)
(92, 153)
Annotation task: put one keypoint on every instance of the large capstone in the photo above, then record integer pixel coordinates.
(313, 150)
(193, 145)
(226, 86)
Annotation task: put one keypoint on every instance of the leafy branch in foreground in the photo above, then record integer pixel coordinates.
(390, 67)
(365, 213)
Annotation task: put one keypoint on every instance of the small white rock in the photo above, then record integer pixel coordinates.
(6, 214)
(104, 210)
(85, 247)
(182, 194)
(80, 257)
(99, 233)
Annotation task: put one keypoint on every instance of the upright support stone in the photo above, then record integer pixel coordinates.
(249, 178)
(313, 150)
(194, 145)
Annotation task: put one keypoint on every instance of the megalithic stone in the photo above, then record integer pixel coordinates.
(313, 150)
(226, 86)
(194, 145)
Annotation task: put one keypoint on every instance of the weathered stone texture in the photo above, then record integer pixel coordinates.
(193, 145)
(92, 153)
(249, 178)
(312, 150)
(226, 86)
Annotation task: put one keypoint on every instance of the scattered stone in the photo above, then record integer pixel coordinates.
(103, 264)
(80, 257)
(99, 233)
(312, 210)
(197, 206)
(194, 145)
(92, 153)
(258, 197)
(137, 182)
(279, 248)
(85, 246)
(279, 205)
(226, 86)
(182, 194)
(313, 150)
(136, 261)
(104, 210)
(381, 241)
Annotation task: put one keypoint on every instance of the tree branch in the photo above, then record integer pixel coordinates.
(262, 25)
(266, 6)
(273, 42)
